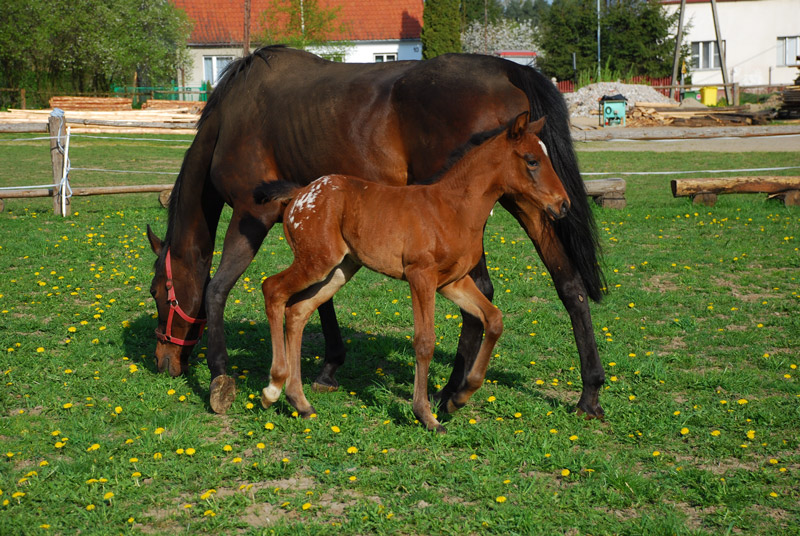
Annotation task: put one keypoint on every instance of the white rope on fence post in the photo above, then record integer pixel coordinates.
(64, 189)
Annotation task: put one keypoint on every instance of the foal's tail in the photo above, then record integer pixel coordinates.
(281, 191)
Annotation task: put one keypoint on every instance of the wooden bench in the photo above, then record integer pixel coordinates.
(608, 193)
(705, 190)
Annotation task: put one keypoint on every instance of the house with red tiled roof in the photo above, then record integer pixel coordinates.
(366, 31)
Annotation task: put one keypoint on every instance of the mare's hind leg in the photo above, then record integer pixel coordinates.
(334, 349)
(242, 240)
(466, 295)
(471, 336)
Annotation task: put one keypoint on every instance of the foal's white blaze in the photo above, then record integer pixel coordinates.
(544, 148)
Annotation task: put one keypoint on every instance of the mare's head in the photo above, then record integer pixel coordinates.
(179, 309)
(530, 178)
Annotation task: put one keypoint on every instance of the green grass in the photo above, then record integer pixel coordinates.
(698, 333)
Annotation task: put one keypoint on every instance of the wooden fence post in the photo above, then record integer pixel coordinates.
(22, 99)
(56, 125)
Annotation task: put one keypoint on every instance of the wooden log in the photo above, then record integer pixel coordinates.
(91, 190)
(608, 193)
(731, 185)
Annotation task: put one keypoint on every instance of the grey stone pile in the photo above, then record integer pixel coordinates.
(585, 101)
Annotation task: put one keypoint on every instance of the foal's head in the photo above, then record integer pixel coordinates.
(531, 179)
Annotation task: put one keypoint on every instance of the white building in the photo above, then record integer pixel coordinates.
(374, 31)
(761, 40)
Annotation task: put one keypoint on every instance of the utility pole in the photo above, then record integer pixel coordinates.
(677, 57)
(246, 40)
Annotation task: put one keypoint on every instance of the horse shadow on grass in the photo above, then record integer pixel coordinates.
(378, 367)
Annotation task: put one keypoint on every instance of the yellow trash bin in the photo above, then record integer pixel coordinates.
(708, 95)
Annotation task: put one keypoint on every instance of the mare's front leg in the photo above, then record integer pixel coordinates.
(572, 293)
(243, 238)
(471, 335)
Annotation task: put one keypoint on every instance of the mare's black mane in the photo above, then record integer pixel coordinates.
(460, 152)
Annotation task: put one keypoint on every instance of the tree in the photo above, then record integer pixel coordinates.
(85, 45)
(638, 37)
(303, 24)
(569, 26)
(441, 28)
(481, 10)
(530, 10)
(635, 38)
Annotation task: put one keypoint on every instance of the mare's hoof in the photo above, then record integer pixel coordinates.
(591, 413)
(318, 387)
(221, 393)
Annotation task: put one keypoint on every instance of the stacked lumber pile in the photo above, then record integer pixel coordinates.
(193, 107)
(791, 101)
(90, 121)
(108, 104)
(645, 114)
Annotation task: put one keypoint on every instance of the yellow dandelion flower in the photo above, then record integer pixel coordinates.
(90, 507)
(565, 472)
(190, 451)
(335, 429)
(715, 433)
(269, 426)
(352, 450)
(306, 506)
(684, 431)
(501, 499)
(742, 401)
(656, 453)
(108, 496)
(751, 434)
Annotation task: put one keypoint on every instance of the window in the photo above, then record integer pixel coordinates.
(213, 67)
(379, 58)
(705, 55)
(788, 49)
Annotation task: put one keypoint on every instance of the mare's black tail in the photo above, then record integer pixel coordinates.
(577, 231)
(282, 191)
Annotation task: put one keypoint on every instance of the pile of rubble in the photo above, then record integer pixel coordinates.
(585, 101)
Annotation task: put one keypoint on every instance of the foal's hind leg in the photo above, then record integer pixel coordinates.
(299, 310)
(466, 295)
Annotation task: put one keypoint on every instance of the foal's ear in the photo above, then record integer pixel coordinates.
(537, 126)
(519, 126)
(156, 244)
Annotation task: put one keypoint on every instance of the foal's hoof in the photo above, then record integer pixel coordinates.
(221, 393)
(269, 395)
(318, 387)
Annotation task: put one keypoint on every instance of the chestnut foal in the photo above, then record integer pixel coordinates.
(430, 235)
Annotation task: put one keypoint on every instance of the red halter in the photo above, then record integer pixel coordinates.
(175, 308)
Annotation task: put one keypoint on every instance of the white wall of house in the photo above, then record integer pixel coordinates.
(753, 31)
(208, 61)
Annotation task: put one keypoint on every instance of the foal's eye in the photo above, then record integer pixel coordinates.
(531, 161)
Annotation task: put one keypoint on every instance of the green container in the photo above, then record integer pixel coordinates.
(612, 113)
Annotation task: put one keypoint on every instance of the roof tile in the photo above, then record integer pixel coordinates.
(221, 22)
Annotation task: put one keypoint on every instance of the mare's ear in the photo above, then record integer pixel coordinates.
(156, 244)
(518, 126)
(537, 126)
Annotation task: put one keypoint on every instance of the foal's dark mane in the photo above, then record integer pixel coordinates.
(460, 152)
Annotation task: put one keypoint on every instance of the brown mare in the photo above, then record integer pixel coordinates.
(429, 235)
(284, 114)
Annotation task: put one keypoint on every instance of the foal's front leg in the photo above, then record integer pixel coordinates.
(423, 302)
